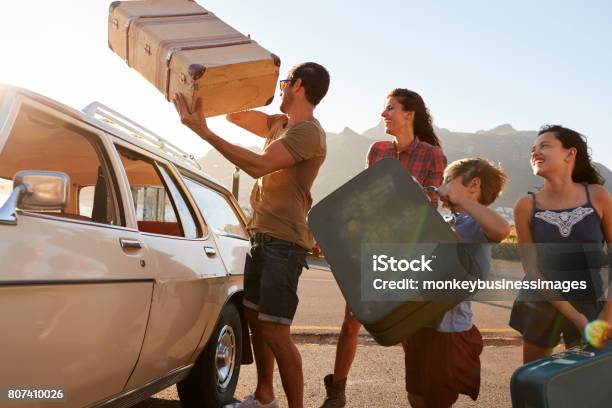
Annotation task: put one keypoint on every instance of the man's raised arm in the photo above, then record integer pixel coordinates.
(274, 157)
(255, 122)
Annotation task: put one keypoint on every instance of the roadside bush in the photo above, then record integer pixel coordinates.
(508, 249)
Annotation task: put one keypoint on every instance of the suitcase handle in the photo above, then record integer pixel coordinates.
(129, 21)
(173, 15)
(580, 351)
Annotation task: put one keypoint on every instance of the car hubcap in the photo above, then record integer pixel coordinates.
(225, 356)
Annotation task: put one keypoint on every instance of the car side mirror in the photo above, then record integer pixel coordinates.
(36, 191)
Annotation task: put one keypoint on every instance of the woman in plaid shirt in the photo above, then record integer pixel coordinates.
(417, 147)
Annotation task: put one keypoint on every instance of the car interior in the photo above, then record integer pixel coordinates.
(39, 141)
(155, 210)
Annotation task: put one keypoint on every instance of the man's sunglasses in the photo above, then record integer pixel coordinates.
(282, 84)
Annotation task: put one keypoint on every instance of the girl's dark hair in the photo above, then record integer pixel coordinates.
(423, 123)
(584, 171)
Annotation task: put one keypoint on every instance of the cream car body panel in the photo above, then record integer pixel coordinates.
(231, 285)
(232, 247)
(102, 326)
(233, 252)
(183, 303)
(71, 336)
(69, 310)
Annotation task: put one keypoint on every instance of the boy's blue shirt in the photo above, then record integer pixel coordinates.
(459, 318)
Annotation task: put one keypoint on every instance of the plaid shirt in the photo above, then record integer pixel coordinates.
(425, 162)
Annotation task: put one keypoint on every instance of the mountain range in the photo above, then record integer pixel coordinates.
(346, 153)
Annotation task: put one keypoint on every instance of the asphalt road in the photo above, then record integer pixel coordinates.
(377, 377)
(321, 306)
(376, 380)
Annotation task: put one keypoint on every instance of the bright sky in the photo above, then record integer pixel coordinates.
(477, 64)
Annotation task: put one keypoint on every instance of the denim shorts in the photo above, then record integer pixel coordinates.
(271, 273)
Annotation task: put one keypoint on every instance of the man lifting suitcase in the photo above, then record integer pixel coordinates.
(294, 150)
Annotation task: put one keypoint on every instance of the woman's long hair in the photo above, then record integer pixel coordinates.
(584, 171)
(423, 124)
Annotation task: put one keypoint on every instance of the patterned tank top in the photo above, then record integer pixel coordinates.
(570, 245)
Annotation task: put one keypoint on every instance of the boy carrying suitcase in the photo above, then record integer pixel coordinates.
(444, 361)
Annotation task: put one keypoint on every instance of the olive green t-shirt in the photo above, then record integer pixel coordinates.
(281, 200)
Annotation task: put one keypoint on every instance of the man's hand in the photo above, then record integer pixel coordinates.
(194, 120)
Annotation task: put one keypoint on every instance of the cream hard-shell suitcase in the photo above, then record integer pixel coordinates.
(181, 47)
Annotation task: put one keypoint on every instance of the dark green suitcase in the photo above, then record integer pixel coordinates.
(579, 377)
(382, 205)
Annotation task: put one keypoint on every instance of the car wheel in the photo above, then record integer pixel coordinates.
(213, 379)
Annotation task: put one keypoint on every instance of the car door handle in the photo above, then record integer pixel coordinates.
(210, 251)
(130, 243)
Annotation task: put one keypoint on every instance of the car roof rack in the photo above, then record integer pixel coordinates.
(105, 114)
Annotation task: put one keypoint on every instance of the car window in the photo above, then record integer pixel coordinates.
(153, 204)
(86, 199)
(216, 210)
(6, 186)
(44, 142)
(189, 225)
(157, 210)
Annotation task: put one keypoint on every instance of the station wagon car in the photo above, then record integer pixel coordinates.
(121, 263)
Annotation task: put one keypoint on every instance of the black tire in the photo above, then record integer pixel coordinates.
(212, 381)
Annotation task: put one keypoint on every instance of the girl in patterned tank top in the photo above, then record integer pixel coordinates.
(570, 210)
